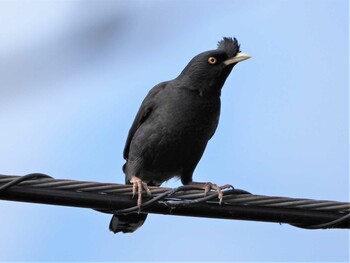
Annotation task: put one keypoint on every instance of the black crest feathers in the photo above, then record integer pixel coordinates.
(229, 45)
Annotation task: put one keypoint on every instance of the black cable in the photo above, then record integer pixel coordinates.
(173, 200)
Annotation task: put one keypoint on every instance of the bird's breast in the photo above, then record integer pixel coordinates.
(181, 125)
(186, 110)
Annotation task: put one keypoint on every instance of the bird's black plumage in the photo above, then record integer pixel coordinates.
(175, 122)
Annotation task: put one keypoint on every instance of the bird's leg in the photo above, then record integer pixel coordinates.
(210, 186)
(137, 186)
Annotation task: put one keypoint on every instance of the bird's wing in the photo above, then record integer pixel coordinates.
(144, 112)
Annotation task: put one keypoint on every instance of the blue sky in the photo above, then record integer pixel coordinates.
(73, 74)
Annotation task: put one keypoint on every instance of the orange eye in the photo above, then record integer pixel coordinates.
(212, 60)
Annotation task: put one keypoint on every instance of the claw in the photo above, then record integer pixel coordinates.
(145, 186)
(138, 185)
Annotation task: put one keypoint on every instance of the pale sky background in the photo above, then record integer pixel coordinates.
(73, 74)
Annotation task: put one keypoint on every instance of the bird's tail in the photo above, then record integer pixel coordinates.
(127, 223)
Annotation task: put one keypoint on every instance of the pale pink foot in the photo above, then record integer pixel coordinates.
(210, 186)
(137, 186)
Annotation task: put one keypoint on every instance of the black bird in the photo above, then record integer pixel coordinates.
(173, 126)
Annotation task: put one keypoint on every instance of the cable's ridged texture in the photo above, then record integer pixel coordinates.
(184, 196)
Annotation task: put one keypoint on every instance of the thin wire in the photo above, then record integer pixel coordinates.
(161, 196)
(330, 224)
(23, 178)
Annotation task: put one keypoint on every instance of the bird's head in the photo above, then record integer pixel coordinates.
(208, 70)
